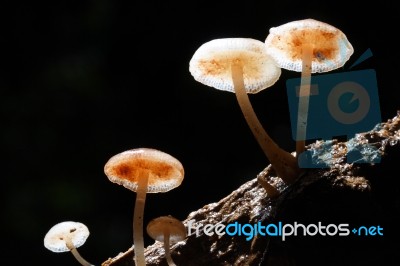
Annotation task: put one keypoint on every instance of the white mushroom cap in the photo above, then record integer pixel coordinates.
(56, 238)
(331, 47)
(176, 229)
(211, 64)
(165, 171)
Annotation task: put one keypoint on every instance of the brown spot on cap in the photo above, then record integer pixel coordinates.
(325, 45)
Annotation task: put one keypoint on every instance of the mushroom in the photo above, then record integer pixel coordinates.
(67, 236)
(242, 66)
(307, 46)
(143, 170)
(169, 230)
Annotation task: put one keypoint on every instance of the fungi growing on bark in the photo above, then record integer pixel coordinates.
(307, 46)
(242, 66)
(143, 171)
(168, 230)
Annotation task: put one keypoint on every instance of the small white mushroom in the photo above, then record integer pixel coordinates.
(169, 230)
(67, 236)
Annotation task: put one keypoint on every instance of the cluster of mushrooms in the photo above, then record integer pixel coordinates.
(241, 66)
(142, 170)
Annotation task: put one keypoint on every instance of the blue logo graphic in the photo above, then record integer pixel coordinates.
(340, 104)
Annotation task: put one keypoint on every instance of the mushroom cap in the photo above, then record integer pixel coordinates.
(331, 47)
(211, 64)
(55, 239)
(156, 227)
(125, 168)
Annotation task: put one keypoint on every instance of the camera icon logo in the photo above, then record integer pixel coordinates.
(340, 104)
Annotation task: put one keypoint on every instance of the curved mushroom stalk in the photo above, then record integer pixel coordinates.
(283, 162)
(138, 214)
(76, 254)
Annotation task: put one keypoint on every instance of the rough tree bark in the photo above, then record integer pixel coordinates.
(355, 194)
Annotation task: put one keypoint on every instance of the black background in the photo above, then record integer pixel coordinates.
(81, 81)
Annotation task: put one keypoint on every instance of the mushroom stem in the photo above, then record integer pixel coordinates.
(283, 162)
(167, 249)
(76, 254)
(138, 219)
(304, 98)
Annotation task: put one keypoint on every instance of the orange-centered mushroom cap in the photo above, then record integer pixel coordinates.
(165, 171)
(331, 49)
(211, 64)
